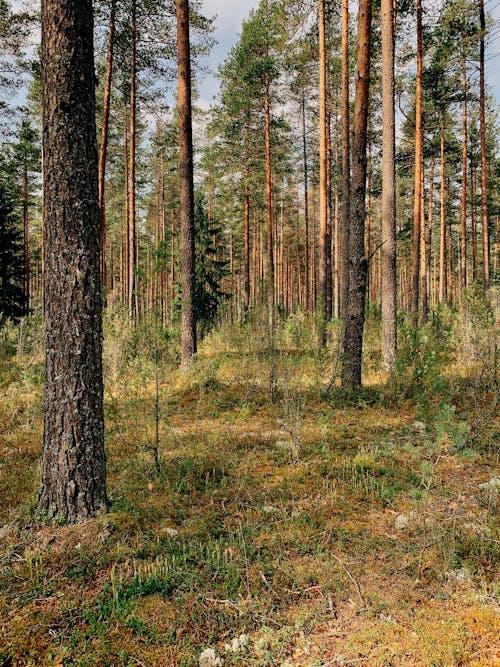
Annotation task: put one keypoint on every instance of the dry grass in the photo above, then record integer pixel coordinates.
(328, 530)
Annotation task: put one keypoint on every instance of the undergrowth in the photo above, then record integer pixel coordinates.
(324, 529)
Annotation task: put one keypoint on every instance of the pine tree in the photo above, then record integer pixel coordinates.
(74, 464)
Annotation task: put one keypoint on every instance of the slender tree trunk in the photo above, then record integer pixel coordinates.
(269, 205)
(132, 286)
(323, 195)
(428, 240)
(368, 233)
(306, 207)
(484, 169)
(186, 186)
(417, 202)
(442, 235)
(247, 242)
(346, 166)
(388, 250)
(329, 290)
(424, 300)
(473, 222)
(27, 269)
(104, 138)
(74, 465)
(353, 341)
(463, 208)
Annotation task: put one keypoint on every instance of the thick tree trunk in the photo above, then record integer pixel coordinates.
(103, 149)
(188, 343)
(484, 170)
(417, 201)
(74, 464)
(388, 250)
(346, 167)
(353, 340)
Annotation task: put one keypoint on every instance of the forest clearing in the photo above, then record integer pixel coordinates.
(324, 529)
(249, 345)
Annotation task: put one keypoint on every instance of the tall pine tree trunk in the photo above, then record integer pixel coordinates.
(442, 229)
(388, 250)
(323, 174)
(484, 169)
(188, 342)
(132, 234)
(27, 269)
(103, 149)
(306, 208)
(346, 167)
(463, 208)
(353, 339)
(74, 464)
(417, 201)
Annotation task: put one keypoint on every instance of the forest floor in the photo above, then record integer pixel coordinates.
(320, 530)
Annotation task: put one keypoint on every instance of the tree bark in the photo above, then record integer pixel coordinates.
(484, 169)
(27, 269)
(463, 208)
(353, 340)
(188, 342)
(417, 202)
(74, 465)
(442, 231)
(247, 242)
(306, 208)
(388, 250)
(346, 166)
(132, 234)
(103, 149)
(323, 157)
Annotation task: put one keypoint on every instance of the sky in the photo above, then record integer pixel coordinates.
(230, 14)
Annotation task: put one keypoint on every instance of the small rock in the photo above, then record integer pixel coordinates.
(461, 576)
(170, 532)
(402, 521)
(238, 644)
(261, 645)
(209, 658)
(419, 426)
(269, 509)
(492, 485)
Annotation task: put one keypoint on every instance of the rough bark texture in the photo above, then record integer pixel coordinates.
(247, 242)
(74, 466)
(132, 259)
(306, 208)
(26, 225)
(484, 172)
(442, 227)
(323, 175)
(188, 343)
(463, 207)
(346, 166)
(353, 339)
(269, 207)
(417, 200)
(388, 250)
(103, 149)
